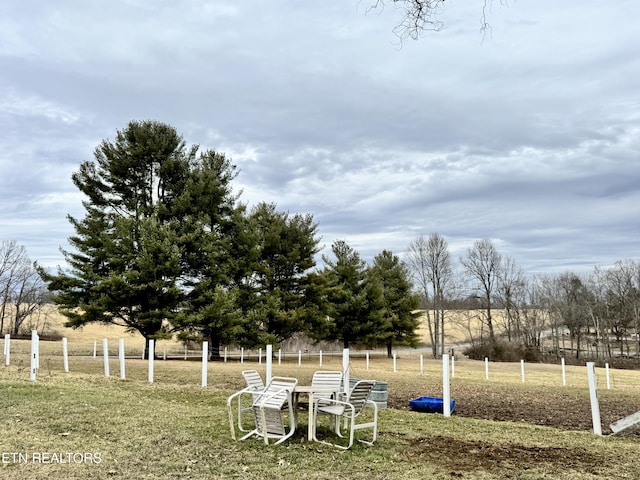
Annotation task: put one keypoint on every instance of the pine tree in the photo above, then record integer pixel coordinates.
(399, 303)
(125, 262)
(353, 299)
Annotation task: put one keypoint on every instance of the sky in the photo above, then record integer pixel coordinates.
(527, 133)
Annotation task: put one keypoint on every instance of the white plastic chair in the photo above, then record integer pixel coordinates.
(323, 378)
(349, 409)
(270, 417)
(254, 386)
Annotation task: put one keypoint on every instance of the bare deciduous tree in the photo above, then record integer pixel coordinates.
(430, 261)
(423, 15)
(22, 291)
(483, 264)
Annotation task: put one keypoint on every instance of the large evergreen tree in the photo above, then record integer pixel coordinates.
(399, 304)
(353, 299)
(210, 221)
(125, 262)
(286, 249)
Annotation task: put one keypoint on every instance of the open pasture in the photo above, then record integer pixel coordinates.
(173, 428)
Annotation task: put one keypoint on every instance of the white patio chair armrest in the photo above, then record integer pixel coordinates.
(331, 401)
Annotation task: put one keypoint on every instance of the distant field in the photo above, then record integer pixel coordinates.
(457, 330)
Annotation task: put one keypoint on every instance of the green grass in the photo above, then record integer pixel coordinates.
(173, 429)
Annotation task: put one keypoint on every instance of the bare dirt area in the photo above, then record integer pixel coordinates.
(461, 457)
(557, 407)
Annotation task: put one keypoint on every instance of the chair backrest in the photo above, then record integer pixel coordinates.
(253, 379)
(360, 393)
(326, 378)
(277, 392)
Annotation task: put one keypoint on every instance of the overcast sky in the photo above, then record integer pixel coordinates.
(528, 135)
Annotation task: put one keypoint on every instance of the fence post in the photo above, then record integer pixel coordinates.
(522, 370)
(486, 368)
(95, 349)
(205, 352)
(367, 361)
(260, 356)
(564, 372)
(241, 354)
(320, 358)
(7, 349)
(345, 368)
(595, 406)
(269, 370)
(395, 356)
(34, 353)
(446, 387)
(606, 368)
(105, 353)
(152, 354)
(121, 358)
(299, 357)
(65, 355)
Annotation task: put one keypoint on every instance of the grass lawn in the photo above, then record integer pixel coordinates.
(82, 425)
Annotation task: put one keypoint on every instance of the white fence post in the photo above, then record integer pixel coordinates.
(595, 406)
(345, 369)
(65, 355)
(564, 372)
(299, 357)
(205, 353)
(121, 358)
(7, 349)
(269, 370)
(37, 350)
(279, 356)
(395, 357)
(486, 368)
(320, 358)
(446, 387)
(367, 362)
(421, 363)
(241, 354)
(95, 349)
(34, 353)
(606, 368)
(152, 354)
(260, 356)
(225, 354)
(522, 370)
(105, 353)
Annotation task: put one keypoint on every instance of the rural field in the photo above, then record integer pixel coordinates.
(84, 425)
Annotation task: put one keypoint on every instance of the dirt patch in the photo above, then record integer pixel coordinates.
(459, 457)
(567, 409)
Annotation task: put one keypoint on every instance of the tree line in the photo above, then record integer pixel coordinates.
(166, 247)
(509, 313)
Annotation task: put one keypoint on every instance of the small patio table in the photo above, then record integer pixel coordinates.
(311, 390)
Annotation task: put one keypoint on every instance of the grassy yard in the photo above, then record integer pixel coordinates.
(105, 428)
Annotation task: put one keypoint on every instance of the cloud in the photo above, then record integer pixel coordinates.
(527, 135)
